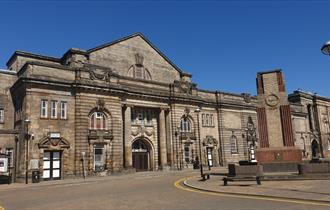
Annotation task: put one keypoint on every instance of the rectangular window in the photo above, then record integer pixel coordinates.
(233, 145)
(53, 110)
(187, 154)
(140, 118)
(44, 109)
(63, 110)
(149, 117)
(207, 120)
(211, 120)
(2, 115)
(203, 119)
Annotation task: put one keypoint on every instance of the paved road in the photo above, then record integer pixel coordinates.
(128, 192)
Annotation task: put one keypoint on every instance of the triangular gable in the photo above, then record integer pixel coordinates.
(145, 39)
(49, 143)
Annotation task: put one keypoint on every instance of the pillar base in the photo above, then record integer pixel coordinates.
(279, 155)
(165, 168)
(129, 169)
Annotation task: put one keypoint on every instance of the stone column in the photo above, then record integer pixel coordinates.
(107, 156)
(162, 138)
(128, 145)
(169, 138)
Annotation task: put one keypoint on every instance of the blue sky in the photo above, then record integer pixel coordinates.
(222, 43)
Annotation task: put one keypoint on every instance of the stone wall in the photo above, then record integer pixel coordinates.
(85, 103)
(121, 57)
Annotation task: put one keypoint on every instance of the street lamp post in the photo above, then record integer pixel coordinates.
(197, 111)
(27, 137)
(325, 49)
(177, 152)
(180, 145)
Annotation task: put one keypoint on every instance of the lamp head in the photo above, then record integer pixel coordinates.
(326, 48)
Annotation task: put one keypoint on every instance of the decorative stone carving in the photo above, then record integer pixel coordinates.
(272, 100)
(102, 135)
(53, 143)
(99, 74)
(141, 130)
(210, 141)
(139, 59)
(186, 112)
(138, 70)
(185, 87)
(246, 97)
(100, 104)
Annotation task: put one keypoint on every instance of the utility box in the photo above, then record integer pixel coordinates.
(35, 176)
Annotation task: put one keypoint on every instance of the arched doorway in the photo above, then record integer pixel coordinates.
(141, 155)
(315, 149)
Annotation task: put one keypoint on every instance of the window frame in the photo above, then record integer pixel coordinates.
(185, 125)
(44, 108)
(2, 115)
(103, 121)
(65, 109)
(211, 120)
(53, 108)
(142, 116)
(233, 145)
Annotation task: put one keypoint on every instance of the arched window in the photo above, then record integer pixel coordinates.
(233, 144)
(139, 72)
(98, 121)
(185, 125)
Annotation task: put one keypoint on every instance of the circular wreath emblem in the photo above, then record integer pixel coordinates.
(272, 100)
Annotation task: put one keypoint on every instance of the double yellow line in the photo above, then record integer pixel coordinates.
(179, 184)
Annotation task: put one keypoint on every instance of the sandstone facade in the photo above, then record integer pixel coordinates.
(125, 106)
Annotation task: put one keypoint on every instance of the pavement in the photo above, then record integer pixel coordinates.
(317, 190)
(94, 179)
(297, 188)
(143, 190)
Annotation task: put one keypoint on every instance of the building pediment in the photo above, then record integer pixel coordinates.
(135, 56)
(53, 143)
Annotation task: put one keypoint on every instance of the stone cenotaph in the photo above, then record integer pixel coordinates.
(276, 142)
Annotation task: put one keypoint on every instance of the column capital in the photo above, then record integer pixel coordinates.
(127, 105)
(164, 108)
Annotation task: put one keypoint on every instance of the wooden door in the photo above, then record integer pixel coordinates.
(140, 161)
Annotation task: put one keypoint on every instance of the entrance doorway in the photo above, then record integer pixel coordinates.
(52, 165)
(99, 157)
(315, 149)
(141, 155)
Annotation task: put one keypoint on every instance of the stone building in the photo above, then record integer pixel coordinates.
(125, 106)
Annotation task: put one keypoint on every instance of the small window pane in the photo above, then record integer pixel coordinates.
(233, 144)
(63, 110)
(53, 109)
(2, 115)
(43, 108)
(185, 125)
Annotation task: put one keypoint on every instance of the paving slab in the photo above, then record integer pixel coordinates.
(314, 190)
